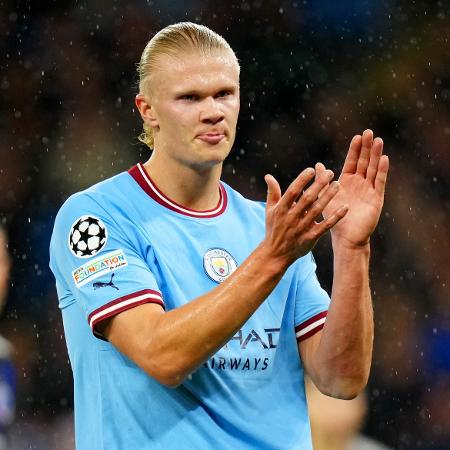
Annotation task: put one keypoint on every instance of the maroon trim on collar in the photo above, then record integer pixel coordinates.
(142, 178)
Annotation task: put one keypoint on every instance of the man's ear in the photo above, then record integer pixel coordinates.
(146, 110)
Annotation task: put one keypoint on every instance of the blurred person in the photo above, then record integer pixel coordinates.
(7, 371)
(436, 407)
(192, 313)
(336, 423)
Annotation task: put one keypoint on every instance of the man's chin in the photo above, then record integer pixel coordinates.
(214, 154)
(207, 164)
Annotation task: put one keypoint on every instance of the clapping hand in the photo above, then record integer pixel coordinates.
(362, 185)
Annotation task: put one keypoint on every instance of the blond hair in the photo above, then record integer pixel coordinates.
(171, 40)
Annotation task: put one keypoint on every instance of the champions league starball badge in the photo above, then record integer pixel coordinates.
(218, 264)
(87, 236)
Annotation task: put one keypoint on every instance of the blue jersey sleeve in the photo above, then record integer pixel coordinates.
(312, 300)
(99, 262)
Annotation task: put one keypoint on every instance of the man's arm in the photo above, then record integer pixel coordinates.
(338, 358)
(171, 345)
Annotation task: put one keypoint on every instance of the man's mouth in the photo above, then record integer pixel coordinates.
(211, 138)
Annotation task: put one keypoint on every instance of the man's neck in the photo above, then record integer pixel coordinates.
(190, 187)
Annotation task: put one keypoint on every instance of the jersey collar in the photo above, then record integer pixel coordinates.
(142, 178)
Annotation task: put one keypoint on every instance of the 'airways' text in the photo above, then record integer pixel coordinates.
(221, 363)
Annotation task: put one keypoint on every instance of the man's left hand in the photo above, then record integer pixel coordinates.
(362, 186)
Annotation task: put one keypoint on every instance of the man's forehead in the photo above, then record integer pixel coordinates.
(196, 59)
(219, 65)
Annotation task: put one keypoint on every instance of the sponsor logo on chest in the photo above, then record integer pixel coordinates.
(250, 350)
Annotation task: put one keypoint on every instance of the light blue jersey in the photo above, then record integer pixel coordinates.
(123, 243)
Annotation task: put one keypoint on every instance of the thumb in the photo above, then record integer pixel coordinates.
(273, 190)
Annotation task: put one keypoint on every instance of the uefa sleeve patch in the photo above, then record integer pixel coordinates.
(99, 266)
(87, 236)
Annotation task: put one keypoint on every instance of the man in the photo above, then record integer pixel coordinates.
(7, 370)
(336, 424)
(192, 313)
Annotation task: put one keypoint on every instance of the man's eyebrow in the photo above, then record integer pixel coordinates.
(180, 91)
(200, 92)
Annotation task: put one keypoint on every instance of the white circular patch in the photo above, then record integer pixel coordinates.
(87, 236)
(218, 264)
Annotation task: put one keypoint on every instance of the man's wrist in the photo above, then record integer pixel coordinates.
(274, 265)
(343, 245)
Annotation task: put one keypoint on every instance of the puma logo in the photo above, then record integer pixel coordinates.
(100, 284)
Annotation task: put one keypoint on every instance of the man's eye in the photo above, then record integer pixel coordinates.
(223, 94)
(189, 97)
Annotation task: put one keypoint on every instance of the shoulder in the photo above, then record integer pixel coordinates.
(93, 206)
(97, 192)
(238, 200)
(94, 199)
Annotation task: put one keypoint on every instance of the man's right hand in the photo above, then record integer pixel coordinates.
(292, 229)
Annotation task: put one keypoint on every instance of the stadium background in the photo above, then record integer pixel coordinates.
(313, 74)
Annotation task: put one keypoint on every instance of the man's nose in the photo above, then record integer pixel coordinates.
(211, 111)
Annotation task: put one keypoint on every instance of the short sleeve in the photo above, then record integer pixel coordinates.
(312, 301)
(98, 262)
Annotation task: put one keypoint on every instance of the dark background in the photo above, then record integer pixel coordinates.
(313, 75)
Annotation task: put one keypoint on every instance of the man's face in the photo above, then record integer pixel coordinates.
(195, 103)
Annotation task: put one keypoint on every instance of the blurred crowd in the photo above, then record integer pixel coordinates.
(313, 75)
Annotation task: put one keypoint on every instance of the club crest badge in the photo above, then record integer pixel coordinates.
(218, 264)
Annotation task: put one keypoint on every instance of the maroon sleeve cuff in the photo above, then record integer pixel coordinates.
(122, 304)
(310, 326)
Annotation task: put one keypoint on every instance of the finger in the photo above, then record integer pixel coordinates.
(320, 171)
(319, 205)
(296, 188)
(273, 190)
(322, 227)
(363, 160)
(381, 177)
(311, 194)
(375, 155)
(351, 159)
